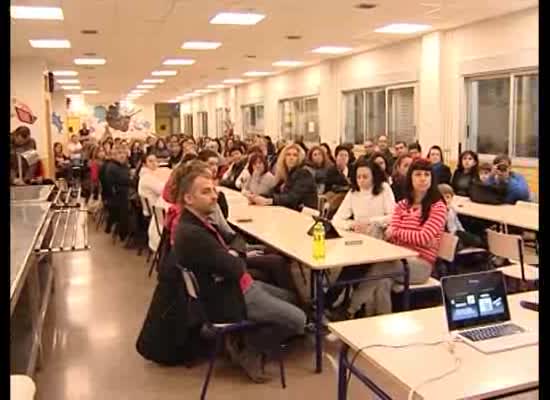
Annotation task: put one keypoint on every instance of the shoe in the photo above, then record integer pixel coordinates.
(252, 364)
(232, 348)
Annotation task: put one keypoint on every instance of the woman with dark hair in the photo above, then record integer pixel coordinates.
(318, 164)
(161, 150)
(399, 176)
(136, 154)
(328, 152)
(366, 209)
(295, 185)
(378, 158)
(261, 181)
(466, 173)
(229, 143)
(441, 172)
(176, 154)
(62, 163)
(338, 176)
(417, 223)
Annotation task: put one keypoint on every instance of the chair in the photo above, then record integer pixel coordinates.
(511, 247)
(218, 332)
(164, 235)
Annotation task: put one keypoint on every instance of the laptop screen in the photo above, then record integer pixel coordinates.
(477, 299)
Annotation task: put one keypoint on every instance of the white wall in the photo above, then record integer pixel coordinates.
(436, 62)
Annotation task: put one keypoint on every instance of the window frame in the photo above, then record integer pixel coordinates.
(254, 129)
(471, 141)
(386, 88)
(302, 100)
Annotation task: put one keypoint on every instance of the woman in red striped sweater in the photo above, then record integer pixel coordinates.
(417, 223)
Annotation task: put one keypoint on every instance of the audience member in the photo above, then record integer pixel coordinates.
(295, 185)
(399, 176)
(338, 175)
(415, 150)
(466, 172)
(62, 163)
(370, 148)
(98, 158)
(212, 159)
(176, 154)
(328, 152)
(379, 159)
(236, 164)
(441, 172)
(516, 185)
(400, 148)
(161, 150)
(136, 154)
(384, 148)
(261, 181)
(150, 185)
(318, 164)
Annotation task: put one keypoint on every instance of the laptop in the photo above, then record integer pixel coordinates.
(476, 307)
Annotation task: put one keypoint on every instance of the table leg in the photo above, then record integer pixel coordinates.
(342, 373)
(319, 311)
(406, 281)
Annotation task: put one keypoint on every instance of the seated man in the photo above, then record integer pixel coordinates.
(516, 185)
(228, 292)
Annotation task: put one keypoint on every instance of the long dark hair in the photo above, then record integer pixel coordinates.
(378, 177)
(442, 161)
(329, 152)
(473, 154)
(376, 155)
(432, 195)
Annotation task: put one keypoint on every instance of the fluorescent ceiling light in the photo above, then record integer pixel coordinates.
(231, 18)
(90, 91)
(287, 63)
(71, 87)
(164, 73)
(331, 50)
(178, 61)
(74, 95)
(50, 44)
(139, 91)
(153, 81)
(134, 96)
(65, 73)
(145, 86)
(256, 73)
(216, 86)
(233, 81)
(89, 61)
(200, 45)
(203, 91)
(173, 101)
(28, 12)
(403, 28)
(67, 81)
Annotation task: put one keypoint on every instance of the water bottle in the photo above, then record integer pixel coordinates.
(319, 241)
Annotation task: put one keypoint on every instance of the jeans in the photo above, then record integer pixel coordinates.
(376, 294)
(274, 306)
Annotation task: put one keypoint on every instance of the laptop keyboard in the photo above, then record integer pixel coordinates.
(491, 332)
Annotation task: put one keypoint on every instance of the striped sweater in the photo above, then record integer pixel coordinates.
(408, 231)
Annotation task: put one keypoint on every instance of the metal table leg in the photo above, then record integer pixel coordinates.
(343, 373)
(406, 284)
(319, 311)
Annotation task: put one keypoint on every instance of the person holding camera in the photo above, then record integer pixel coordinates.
(516, 185)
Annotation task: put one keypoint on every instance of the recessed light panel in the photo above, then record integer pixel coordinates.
(65, 73)
(164, 73)
(28, 12)
(287, 63)
(216, 86)
(403, 29)
(90, 61)
(256, 73)
(67, 81)
(332, 50)
(90, 91)
(50, 43)
(200, 45)
(178, 61)
(153, 81)
(233, 81)
(232, 18)
(70, 87)
(145, 86)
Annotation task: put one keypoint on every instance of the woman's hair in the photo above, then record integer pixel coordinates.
(376, 155)
(432, 195)
(440, 153)
(473, 154)
(96, 151)
(159, 141)
(253, 159)
(445, 189)
(255, 149)
(310, 156)
(178, 173)
(57, 144)
(134, 143)
(415, 146)
(378, 177)
(397, 164)
(329, 151)
(281, 171)
(340, 148)
(22, 131)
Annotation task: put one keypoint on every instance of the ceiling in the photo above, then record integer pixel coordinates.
(136, 36)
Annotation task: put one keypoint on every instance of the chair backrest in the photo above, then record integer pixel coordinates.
(145, 206)
(159, 215)
(528, 204)
(505, 245)
(447, 246)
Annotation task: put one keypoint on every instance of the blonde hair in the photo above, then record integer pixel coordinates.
(281, 170)
(445, 189)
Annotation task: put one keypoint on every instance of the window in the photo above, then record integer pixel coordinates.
(253, 119)
(503, 114)
(202, 123)
(370, 113)
(300, 118)
(222, 121)
(188, 124)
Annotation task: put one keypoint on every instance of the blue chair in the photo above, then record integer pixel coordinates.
(218, 331)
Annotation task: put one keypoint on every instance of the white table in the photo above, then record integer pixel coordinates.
(525, 217)
(393, 372)
(286, 231)
(22, 387)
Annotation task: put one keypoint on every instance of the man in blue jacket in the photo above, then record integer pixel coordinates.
(516, 185)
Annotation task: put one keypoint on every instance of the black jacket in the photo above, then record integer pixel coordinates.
(236, 170)
(442, 173)
(118, 175)
(462, 182)
(398, 188)
(299, 190)
(336, 181)
(218, 273)
(104, 180)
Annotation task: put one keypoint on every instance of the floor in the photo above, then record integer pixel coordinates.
(100, 299)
